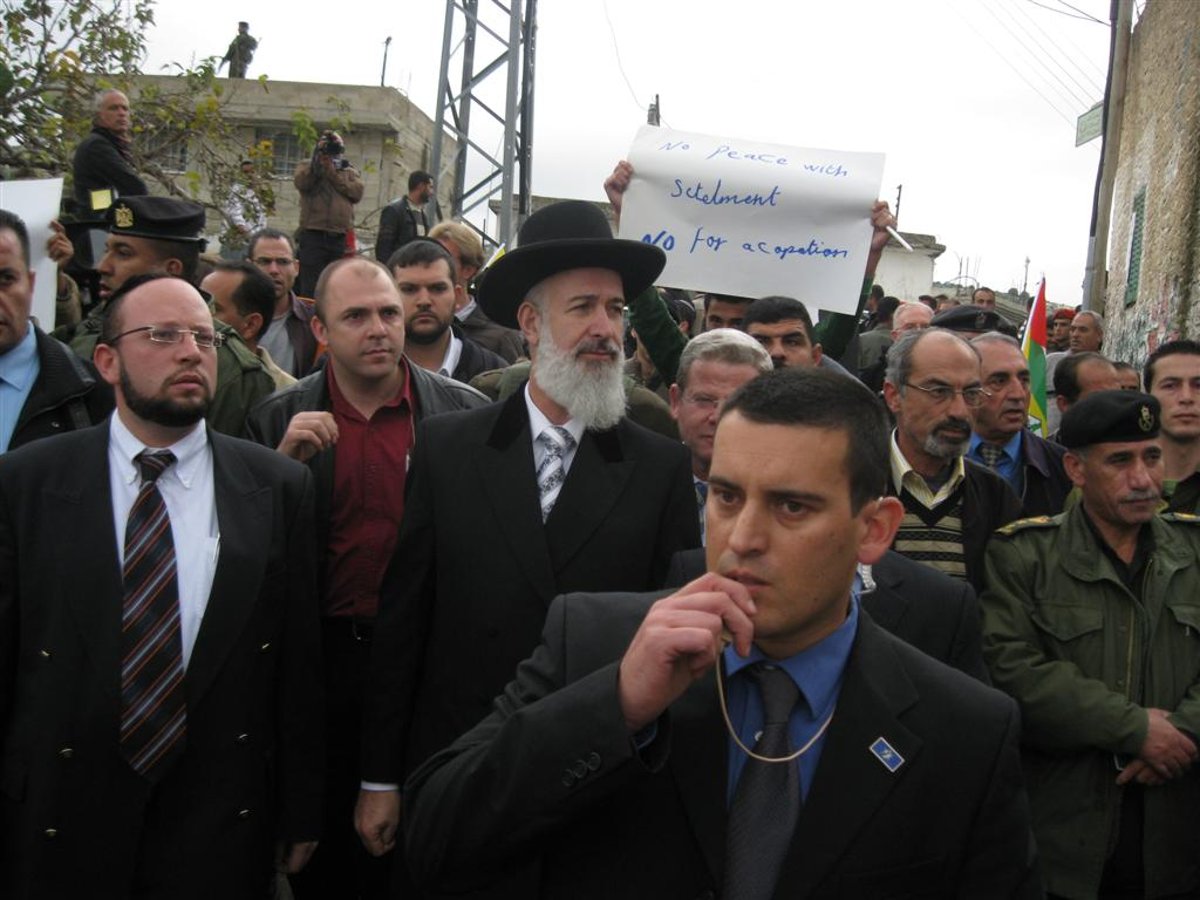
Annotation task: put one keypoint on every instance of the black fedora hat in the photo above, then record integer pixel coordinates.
(573, 234)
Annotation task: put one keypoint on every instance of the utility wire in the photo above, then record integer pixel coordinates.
(1079, 102)
(1067, 118)
(1096, 77)
(1085, 17)
(1090, 91)
(617, 53)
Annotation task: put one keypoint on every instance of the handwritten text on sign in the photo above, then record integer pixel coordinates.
(737, 217)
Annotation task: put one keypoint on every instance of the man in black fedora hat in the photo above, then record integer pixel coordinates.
(552, 490)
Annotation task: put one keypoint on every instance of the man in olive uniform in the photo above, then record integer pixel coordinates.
(1091, 622)
(164, 235)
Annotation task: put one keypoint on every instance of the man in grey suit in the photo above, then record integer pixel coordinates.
(160, 693)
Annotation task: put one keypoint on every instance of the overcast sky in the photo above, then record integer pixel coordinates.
(973, 101)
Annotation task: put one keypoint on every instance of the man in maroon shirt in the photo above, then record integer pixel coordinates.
(352, 423)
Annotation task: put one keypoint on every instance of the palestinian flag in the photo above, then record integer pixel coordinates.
(1034, 347)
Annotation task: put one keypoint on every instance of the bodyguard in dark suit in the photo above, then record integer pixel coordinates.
(874, 771)
(551, 490)
(926, 609)
(161, 737)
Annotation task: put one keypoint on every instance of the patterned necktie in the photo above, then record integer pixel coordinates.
(766, 801)
(991, 454)
(556, 441)
(153, 715)
(701, 500)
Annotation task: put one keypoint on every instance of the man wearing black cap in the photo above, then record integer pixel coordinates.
(164, 235)
(551, 490)
(1090, 623)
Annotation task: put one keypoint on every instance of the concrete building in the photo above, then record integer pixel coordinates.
(909, 275)
(1154, 250)
(386, 136)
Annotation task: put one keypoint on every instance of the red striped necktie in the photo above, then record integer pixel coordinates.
(153, 714)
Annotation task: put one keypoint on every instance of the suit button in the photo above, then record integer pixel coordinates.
(265, 647)
(242, 739)
(51, 832)
(568, 779)
(45, 654)
(593, 761)
(66, 752)
(243, 814)
(580, 769)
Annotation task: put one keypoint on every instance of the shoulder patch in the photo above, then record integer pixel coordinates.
(1024, 524)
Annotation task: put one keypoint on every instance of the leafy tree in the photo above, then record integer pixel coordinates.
(55, 56)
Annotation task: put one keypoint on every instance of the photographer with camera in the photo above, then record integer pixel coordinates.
(329, 187)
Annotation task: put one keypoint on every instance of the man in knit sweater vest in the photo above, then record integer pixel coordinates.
(952, 505)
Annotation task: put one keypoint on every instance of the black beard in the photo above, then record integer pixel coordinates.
(161, 411)
(424, 338)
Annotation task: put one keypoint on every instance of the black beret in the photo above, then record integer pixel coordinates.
(1110, 417)
(158, 218)
(972, 319)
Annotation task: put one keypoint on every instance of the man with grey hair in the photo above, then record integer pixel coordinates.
(549, 491)
(951, 506)
(1001, 440)
(103, 163)
(711, 367)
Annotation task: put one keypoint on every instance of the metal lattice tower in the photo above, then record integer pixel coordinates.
(471, 31)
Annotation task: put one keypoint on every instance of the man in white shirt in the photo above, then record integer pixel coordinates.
(159, 681)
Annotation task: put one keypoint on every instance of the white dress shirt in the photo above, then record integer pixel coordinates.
(453, 355)
(187, 490)
(539, 423)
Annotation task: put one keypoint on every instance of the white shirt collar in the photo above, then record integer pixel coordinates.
(539, 423)
(453, 355)
(188, 450)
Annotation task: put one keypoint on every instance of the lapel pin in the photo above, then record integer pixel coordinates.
(886, 754)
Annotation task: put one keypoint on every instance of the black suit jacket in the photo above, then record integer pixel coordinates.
(75, 820)
(925, 608)
(475, 569)
(552, 776)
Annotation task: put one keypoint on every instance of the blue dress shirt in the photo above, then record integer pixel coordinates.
(1009, 466)
(817, 671)
(19, 369)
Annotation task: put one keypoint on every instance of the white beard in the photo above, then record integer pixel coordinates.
(591, 392)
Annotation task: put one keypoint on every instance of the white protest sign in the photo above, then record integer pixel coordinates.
(37, 202)
(752, 219)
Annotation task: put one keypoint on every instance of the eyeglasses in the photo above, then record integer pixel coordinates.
(941, 393)
(701, 401)
(264, 261)
(205, 339)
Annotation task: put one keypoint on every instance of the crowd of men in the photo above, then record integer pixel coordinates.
(775, 607)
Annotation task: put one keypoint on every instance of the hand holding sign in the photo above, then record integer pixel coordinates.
(749, 219)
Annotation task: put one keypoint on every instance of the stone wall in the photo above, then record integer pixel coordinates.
(1158, 177)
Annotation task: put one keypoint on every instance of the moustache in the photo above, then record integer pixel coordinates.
(954, 422)
(597, 345)
(1140, 496)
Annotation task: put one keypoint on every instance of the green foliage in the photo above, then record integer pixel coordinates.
(55, 56)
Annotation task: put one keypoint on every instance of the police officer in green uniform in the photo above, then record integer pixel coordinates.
(165, 235)
(1092, 623)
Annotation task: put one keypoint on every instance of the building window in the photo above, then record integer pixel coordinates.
(1135, 248)
(285, 150)
(168, 149)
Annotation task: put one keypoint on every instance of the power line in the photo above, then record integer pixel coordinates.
(1085, 17)
(1081, 102)
(1095, 78)
(1056, 54)
(617, 53)
(1067, 118)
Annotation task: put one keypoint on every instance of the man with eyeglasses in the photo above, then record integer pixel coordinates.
(160, 684)
(163, 235)
(951, 506)
(289, 338)
(712, 366)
